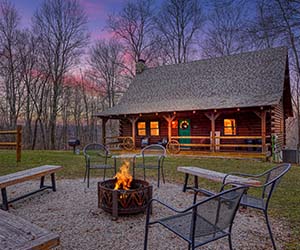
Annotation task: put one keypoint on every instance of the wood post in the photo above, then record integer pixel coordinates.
(169, 119)
(212, 117)
(262, 115)
(133, 121)
(104, 121)
(19, 143)
(263, 131)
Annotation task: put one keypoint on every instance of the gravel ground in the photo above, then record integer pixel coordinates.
(72, 212)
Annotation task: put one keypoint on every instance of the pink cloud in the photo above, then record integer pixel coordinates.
(98, 34)
(93, 9)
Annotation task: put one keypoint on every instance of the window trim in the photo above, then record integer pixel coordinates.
(156, 128)
(142, 129)
(233, 128)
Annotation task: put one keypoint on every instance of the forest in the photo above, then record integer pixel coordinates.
(54, 77)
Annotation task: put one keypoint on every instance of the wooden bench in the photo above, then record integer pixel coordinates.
(19, 234)
(213, 176)
(27, 175)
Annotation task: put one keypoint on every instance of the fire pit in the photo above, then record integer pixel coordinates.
(124, 195)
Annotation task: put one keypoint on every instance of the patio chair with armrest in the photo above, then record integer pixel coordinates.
(156, 151)
(203, 222)
(96, 156)
(270, 179)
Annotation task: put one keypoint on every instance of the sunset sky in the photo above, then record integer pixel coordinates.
(96, 10)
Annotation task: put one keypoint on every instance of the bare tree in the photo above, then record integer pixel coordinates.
(27, 51)
(290, 19)
(263, 28)
(133, 24)
(106, 60)
(279, 24)
(177, 25)
(225, 34)
(61, 27)
(10, 61)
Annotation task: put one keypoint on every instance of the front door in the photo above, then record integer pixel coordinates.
(184, 129)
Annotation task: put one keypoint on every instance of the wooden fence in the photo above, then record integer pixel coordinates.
(17, 143)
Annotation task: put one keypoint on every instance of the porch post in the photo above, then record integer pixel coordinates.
(133, 121)
(212, 117)
(104, 120)
(169, 119)
(263, 131)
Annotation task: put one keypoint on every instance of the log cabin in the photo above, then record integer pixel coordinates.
(231, 105)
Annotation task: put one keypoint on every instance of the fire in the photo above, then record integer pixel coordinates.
(123, 177)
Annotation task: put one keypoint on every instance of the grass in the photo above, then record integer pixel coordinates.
(284, 204)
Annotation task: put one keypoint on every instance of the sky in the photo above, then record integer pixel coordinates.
(96, 10)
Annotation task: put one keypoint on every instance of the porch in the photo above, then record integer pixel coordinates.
(234, 133)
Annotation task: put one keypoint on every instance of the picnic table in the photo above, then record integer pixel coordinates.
(213, 176)
(27, 175)
(19, 234)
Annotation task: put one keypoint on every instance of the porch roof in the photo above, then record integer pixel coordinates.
(243, 80)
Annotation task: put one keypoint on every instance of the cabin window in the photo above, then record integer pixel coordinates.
(141, 128)
(174, 124)
(154, 128)
(229, 127)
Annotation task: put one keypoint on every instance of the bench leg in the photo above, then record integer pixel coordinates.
(53, 182)
(196, 186)
(42, 181)
(4, 199)
(185, 182)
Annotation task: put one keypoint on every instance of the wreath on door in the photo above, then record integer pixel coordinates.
(184, 124)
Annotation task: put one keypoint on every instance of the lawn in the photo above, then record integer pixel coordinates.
(284, 204)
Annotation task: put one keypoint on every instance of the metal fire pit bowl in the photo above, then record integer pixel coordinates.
(124, 202)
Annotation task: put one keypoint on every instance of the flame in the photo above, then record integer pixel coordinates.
(123, 177)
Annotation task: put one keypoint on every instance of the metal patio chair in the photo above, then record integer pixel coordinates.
(96, 156)
(270, 179)
(203, 222)
(156, 151)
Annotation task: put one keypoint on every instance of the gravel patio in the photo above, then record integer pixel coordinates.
(72, 212)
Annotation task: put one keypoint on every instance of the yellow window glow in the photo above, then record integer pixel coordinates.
(142, 128)
(154, 128)
(229, 127)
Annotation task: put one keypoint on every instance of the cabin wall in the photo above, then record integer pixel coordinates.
(126, 129)
(278, 124)
(247, 124)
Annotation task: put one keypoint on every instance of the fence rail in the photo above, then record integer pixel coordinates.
(222, 142)
(17, 143)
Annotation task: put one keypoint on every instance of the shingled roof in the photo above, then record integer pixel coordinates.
(242, 80)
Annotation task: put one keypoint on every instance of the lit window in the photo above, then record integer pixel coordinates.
(154, 128)
(174, 124)
(229, 127)
(142, 128)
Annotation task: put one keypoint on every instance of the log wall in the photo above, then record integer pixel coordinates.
(278, 124)
(247, 124)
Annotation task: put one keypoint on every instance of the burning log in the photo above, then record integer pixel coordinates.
(124, 195)
(124, 178)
